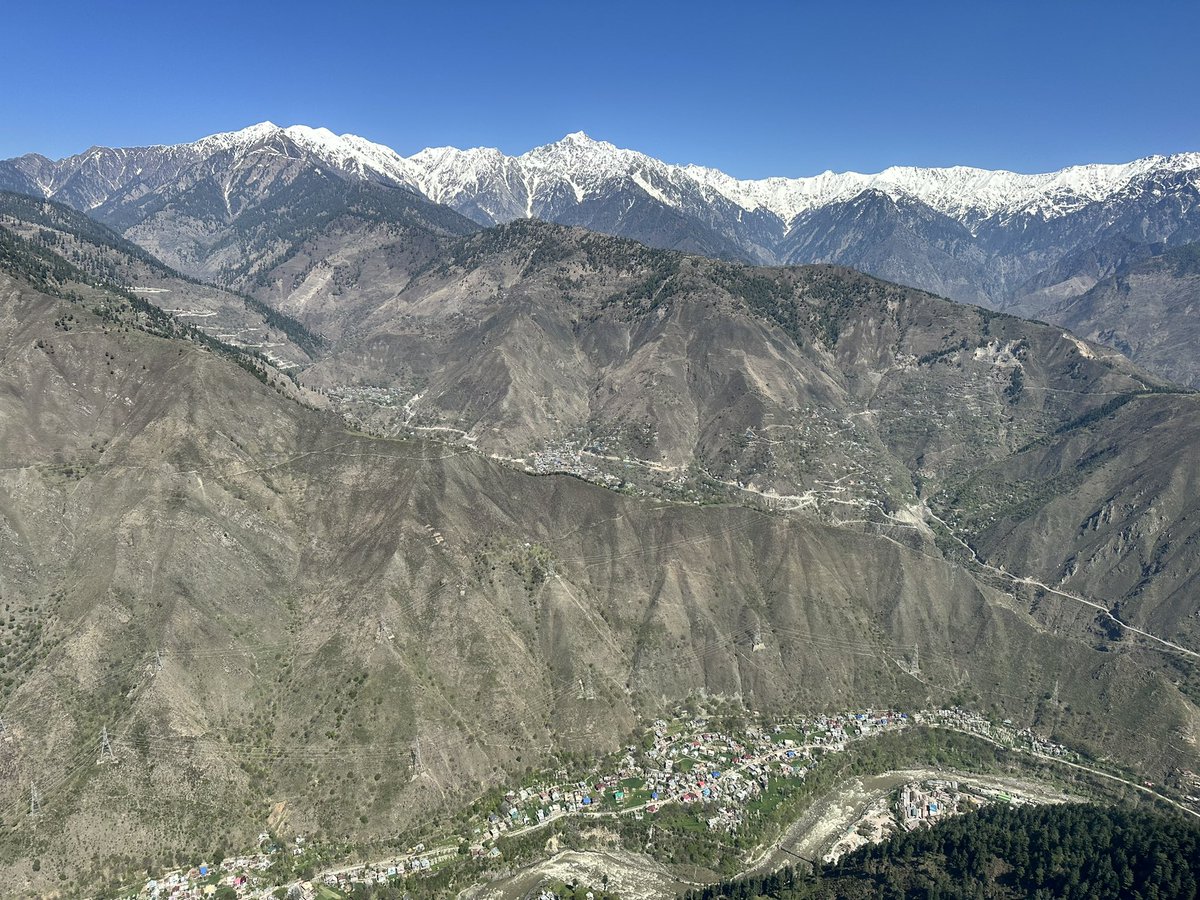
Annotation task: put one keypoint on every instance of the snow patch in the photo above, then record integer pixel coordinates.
(640, 180)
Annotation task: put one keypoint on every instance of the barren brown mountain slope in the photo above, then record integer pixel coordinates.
(266, 611)
(809, 381)
(1147, 309)
(104, 257)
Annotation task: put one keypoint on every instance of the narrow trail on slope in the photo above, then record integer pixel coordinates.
(1033, 582)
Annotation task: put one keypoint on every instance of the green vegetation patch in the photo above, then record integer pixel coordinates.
(1069, 851)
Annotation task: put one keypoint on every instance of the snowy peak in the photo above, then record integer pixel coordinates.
(481, 183)
(243, 137)
(960, 192)
(89, 179)
(963, 193)
(576, 144)
(959, 231)
(348, 153)
(581, 139)
(578, 157)
(493, 187)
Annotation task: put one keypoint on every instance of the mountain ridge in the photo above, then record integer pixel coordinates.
(266, 613)
(996, 238)
(958, 190)
(1146, 309)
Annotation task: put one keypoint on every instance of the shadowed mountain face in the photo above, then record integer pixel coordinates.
(1147, 310)
(225, 209)
(901, 240)
(262, 607)
(1105, 509)
(102, 257)
(191, 230)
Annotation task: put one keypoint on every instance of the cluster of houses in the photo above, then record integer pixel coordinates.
(204, 881)
(1003, 733)
(418, 863)
(922, 803)
(365, 393)
(567, 456)
(686, 761)
(917, 804)
(245, 874)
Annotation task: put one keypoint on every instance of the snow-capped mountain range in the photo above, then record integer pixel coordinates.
(519, 185)
(978, 235)
(587, 166)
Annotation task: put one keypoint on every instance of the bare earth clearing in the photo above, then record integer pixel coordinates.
(831, 817)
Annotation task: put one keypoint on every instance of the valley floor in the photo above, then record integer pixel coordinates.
(697, 781)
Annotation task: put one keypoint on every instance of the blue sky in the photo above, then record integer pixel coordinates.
(753, 88)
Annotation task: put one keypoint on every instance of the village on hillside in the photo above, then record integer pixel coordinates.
(689, 762)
